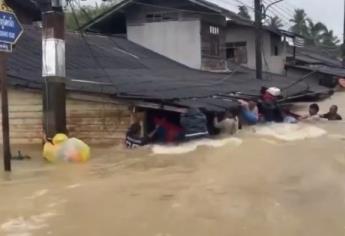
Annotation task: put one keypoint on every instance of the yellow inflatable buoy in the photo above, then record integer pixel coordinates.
(49, 152)
(66, 149)
(59, 138)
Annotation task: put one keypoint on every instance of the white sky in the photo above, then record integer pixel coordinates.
(330, 12)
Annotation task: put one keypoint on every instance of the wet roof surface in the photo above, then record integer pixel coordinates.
(119, 68)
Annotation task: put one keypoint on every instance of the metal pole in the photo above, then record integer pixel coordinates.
(258, 38)
(54, 72)
(4, 112)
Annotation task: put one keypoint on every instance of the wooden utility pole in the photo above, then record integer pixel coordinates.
(258, 38)
(4, 112)
(54, 71)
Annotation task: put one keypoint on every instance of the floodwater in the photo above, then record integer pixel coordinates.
(272, 180)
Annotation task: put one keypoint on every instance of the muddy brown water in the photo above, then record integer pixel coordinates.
(260, 185)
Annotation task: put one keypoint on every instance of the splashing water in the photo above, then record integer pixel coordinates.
(290, 132)
(193, 145)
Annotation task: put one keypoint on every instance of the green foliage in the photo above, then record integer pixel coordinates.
(243, 12)
(315, 33)
(300, 22)
(82, 15)
(276, 22)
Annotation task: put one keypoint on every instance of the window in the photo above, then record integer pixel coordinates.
(276, 51)
(161, 16)
(214, 30)
(275, 45)
(237, 52)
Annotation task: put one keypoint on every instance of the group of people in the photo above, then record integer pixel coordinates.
(331, 115)
(194, 124)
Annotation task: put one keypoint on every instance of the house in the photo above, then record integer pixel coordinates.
(191, 32)
(240, 46)
(103, 84)
(201, 34)
(315, 64)
(106, 120)
(108, 76)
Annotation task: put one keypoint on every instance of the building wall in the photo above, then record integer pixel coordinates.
(177, 40)
(209, 60)
(93, 122)
(271, 63)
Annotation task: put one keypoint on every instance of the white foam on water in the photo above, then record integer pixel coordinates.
(24, 226)
(37, 194)
(72, 186)
(290, 132)
(193, 145)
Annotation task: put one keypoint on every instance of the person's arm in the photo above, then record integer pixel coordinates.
(304, 117)
(324, 116)
(339, 117)
(256, 112)
(216, 122)
(150, 135)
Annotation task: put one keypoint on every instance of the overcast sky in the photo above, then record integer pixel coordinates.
(330, 12)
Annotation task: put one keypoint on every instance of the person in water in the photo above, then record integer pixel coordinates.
(249, 112)
(227, 124)
(313, 113)
(332, 114)
(133, 136)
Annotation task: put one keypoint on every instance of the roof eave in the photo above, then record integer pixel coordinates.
(105, 14)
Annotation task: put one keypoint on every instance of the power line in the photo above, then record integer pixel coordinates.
(70, 3)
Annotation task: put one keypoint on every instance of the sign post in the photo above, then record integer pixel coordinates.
(10, 31)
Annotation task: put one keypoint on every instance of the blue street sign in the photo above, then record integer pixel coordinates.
(5, 47)
(10, 28)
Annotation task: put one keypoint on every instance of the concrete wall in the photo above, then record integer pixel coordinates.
(177, 40)
(94, 122)
(274, 64)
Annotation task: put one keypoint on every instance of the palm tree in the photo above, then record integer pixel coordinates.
(243, 12)
(329, 39)
(276, 22)
(315, 32)
(300, 22)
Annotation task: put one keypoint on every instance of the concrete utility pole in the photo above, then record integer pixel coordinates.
(54, 69)
(258, 38)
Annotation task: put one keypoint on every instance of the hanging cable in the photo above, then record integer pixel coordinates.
(85, 40)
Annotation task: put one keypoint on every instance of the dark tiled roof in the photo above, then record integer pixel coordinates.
(312, 55)
(31, 7)
(322, 69)
(123, 69)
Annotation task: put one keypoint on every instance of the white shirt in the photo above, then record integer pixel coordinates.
(227, 126)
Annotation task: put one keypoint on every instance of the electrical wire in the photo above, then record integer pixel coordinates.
(95, 58)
